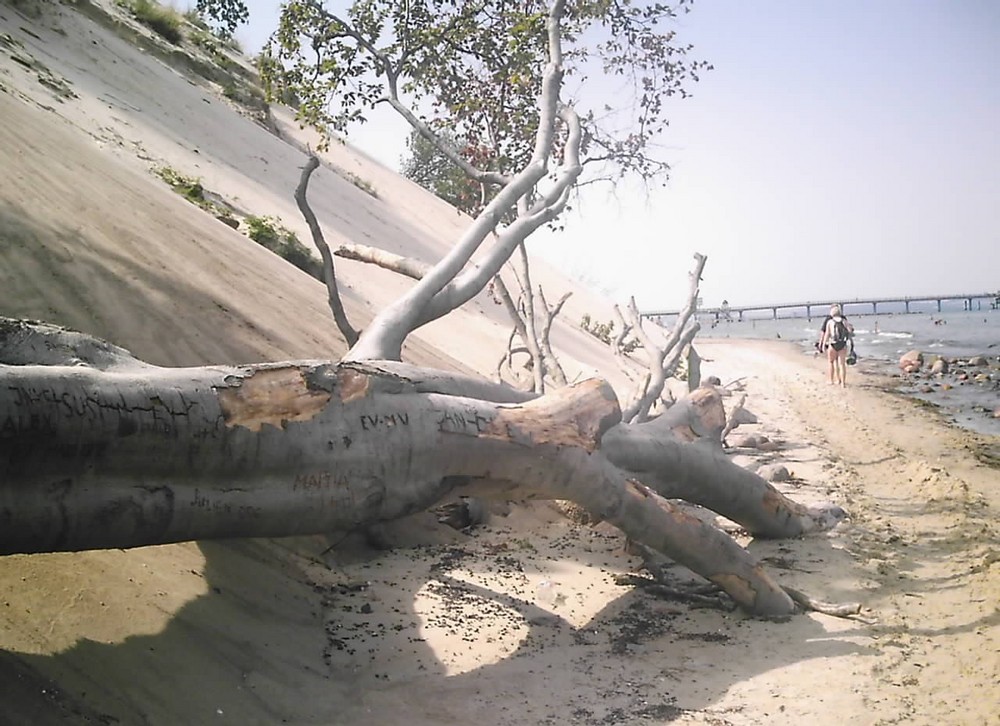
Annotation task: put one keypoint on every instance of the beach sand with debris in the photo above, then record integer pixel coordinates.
(524, 619)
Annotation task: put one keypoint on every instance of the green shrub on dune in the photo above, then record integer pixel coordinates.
(270, 233)
(164, 21)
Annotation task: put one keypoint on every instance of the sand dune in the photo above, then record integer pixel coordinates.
(463, 627)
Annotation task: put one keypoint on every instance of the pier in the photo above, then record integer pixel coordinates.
(858, 306)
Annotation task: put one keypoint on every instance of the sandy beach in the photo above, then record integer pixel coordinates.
(451, 627)
(521, 620)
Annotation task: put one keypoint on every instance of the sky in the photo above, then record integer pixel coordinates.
(838, 150)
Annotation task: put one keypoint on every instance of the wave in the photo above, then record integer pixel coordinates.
(896, 335)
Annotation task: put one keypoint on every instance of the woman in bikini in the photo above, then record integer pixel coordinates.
(836, 345)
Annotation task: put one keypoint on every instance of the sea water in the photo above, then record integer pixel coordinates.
(881, 339)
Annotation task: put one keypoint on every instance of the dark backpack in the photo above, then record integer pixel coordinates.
(840, 332)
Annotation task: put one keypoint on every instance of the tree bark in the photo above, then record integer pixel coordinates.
(99, 450)
(703, 475)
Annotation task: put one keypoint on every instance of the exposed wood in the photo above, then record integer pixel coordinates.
(406, 266)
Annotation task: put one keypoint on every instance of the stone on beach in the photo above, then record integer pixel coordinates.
(774, 472)
(754, 441)
(912, 361)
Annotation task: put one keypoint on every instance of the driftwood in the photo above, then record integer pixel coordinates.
(99, 450)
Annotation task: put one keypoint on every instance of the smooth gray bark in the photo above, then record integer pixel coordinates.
(453, 281)
(679, 455)
(99, 450)
(329, 273)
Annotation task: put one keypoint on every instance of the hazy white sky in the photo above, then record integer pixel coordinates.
(838, 150)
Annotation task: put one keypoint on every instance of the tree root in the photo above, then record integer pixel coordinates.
(709, 594)
(701, 596)
(719, 601)
(837, 610)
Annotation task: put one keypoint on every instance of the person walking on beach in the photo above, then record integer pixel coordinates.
(834, 337)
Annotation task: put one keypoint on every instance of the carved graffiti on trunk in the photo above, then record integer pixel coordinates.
(383, 421)
(469, 422)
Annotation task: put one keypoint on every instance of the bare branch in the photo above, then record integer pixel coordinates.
(690, 306)
(732, 421)
(329, 275)
(522, 331)
(618, 341)
(663, 360)
(552, 365)
(384, 336)
(548, 207)
(483, 177)
(531, 341)
(406, 266)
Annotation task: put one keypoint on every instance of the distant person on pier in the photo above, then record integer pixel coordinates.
(834, 339)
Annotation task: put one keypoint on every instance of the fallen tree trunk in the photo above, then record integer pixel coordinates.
(703, 475)
(100, 450)
(679, 455)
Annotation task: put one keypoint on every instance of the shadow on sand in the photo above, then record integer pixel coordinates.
(266, 644)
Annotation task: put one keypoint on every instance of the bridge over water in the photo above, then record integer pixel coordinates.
(858, 306)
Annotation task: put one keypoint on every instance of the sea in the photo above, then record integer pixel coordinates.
(880, 340)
